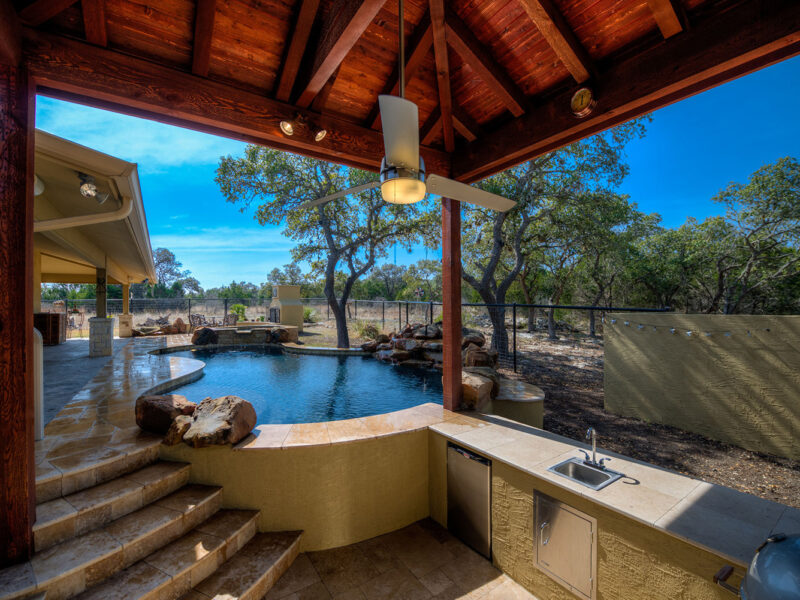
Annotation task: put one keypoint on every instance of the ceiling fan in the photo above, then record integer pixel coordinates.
(402, 178)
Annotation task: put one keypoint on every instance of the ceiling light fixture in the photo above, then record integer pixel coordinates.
(320, 135)
(287, 127)
(302, 124)
(88, 186)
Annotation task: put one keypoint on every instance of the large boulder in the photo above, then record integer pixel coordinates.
(470, 336)
(407, 344)
(433, 346)
(204, 336)
(489, 373)
(280, 335)
(384, 346)
(177, 430)
(382, 338)
(476, 390)
(179, 326)
(478, 357)
(400, 355)
(428, 332)
(218, 421)
(369, 346)
(156, 413)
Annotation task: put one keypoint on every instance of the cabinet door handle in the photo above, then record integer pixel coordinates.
(543, 539)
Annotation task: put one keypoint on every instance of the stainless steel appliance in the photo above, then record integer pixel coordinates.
(469, 494)
(773, 574)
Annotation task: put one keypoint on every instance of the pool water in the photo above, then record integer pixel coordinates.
(287, 388)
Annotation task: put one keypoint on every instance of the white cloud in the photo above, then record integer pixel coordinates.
(222, 239)
(154, 146)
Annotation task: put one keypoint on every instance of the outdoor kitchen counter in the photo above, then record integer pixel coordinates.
(727, 522)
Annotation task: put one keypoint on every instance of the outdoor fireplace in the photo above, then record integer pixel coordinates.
(286, 307)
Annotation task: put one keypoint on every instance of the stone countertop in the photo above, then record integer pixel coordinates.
(725, 521)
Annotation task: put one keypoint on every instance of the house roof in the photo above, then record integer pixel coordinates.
(71, 250)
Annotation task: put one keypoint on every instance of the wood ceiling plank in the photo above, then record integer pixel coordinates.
(94, 21)
(463, 41)
(10, 35)
(418, 49)
(43, 10)
(78, 71)
(346, 23)
(294, 54)
(442, 72)
(667, 16)
(431, 127)
(203, 36)
(561, 38)
(720, 48)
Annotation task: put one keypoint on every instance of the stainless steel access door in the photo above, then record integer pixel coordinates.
(469, 509)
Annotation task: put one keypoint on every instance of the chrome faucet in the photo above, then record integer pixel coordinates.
(591, 434)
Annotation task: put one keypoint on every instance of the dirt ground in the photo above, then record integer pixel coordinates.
(570, 371)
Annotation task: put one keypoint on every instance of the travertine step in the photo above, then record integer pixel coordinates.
(63, 518)
(253, 571)
(177, 567)
(70, 567)
(69, 468)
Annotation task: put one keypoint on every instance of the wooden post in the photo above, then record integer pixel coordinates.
(451, 302)
(17, 470)
(126, 298)
(101, 305)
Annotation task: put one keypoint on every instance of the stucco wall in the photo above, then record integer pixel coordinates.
(735, 378)
(338, 494)
(635, 562)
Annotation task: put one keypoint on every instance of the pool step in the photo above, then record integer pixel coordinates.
(252, 572)
(68, 568)
(177, 567)
(63, 518)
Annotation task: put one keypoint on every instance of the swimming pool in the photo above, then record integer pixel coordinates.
(288, 388)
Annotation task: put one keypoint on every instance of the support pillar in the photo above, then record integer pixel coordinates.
(126, 318)
(451, 302)
(37, 282)
(101, 328)
(17, 471)
(101, 293)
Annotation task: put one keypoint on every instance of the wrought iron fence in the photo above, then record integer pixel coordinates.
(504, 325)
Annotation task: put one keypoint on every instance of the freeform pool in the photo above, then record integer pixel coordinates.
(288, 388)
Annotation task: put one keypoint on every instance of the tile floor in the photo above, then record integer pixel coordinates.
(421, 561)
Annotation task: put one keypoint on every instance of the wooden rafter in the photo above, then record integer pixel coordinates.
(77, 71)
(346, 23)
(203, 34)
(321, 99)
(94, 21)
(10, 35)
(43, 10)
(464, 42)
(751, 36)
(296, 48)
(442, 72)
(560, 36)
(430, 127)
(668, 15)
(418, 49)
(465, 125)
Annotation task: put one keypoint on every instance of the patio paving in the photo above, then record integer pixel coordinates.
(422, 561)
(67, 369)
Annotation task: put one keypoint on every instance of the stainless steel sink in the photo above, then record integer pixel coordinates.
(578, 471)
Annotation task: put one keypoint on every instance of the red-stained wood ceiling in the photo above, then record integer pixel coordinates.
(478, 69)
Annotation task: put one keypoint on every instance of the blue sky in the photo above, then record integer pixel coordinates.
(692, 149)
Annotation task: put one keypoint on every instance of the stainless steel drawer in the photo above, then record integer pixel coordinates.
(469, 510)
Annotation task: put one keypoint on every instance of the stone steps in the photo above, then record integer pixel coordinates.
(252, 572)
(182, 564)
(78, 513)
(72, 566)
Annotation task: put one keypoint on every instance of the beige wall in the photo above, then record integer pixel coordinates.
(635, 562)
(737, 388)
(338, 494)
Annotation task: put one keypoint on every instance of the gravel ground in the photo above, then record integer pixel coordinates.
(570, 371)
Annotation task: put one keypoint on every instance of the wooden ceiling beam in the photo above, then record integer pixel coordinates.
(418, 49)
(561, 38)
(10, 35)
(464, 42)
(94, 21)
(78, 71)
(727, 45)
(430, 127)
(442, 72)
(294, 53)
(465, 125)
(43, 10)
(668, 15)
(205, 14)
(346, 23)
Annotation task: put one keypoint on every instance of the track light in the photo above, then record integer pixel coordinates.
(88, 187)
(287, 127)
(320, 135)
(300, 123)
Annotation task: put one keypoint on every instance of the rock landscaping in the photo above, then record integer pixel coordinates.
(156, 413)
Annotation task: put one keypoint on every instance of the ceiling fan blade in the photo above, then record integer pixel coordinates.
(353, 190)
(442, 186)
(400, 121)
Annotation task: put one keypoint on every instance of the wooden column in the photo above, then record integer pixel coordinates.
(451, 302)
(17, 471)
(101, 309)
(37, 282)
(126, 298)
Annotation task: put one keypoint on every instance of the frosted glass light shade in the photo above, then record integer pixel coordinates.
(403, 190)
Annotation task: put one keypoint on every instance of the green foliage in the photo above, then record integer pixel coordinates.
(365, 330)
(308, 315)
(238, 309)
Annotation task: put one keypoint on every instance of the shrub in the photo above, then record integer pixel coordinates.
(308, 315)
(366, 330)
(239, 309)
